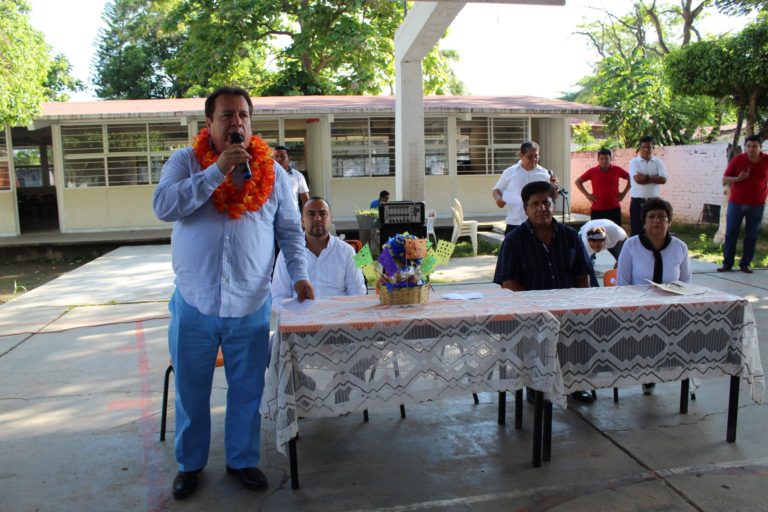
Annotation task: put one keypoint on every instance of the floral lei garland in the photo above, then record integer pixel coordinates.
(254, 192)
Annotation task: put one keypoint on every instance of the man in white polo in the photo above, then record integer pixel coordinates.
(646, 173)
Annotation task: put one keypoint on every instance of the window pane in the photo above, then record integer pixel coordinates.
(157, 163)
(81, 139)
(363, 147)
(127, 138)
(472, 146)
(127, 170)
(267, 129)
(435, 145)
(84, 173)
(167, 137)
(489, 145)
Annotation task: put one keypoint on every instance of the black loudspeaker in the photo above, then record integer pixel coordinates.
(401, 216)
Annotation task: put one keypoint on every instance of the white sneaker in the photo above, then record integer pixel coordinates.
(648, 389)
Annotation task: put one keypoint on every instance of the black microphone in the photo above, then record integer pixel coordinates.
(236, 138)
(559, 189)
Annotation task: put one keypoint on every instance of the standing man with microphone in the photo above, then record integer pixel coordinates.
(223, 250)
(507, 190)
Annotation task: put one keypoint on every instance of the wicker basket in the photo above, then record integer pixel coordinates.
(410, 295)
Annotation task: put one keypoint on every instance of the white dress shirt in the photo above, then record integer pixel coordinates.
(511, 183)
(222, 265)
(333, 273)
(613, 233)
(652, 167)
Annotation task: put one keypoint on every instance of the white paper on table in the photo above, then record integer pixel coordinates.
(294, 306)
(679, 287)
(463, 296)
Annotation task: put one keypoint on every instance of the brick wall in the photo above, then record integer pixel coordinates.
(694, 178)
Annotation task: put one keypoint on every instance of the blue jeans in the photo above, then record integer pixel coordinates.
(193, 340)
(733, 218)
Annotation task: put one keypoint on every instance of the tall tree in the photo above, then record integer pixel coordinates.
(132, 50)
(270, 47)
(29, 75)
(630, 76)
(25, 59)
(733, 67)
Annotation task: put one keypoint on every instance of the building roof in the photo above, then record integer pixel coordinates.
(313, 105)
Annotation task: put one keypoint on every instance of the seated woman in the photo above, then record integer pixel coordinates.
(654, 255)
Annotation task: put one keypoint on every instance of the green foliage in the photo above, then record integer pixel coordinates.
(60, 80)
(28, 74)
(644, 103)
(25, 61)
(169, 48)
(701, 244)
(583, 138)
(743, 7)
(132, 50)
(630, 76)
(733, 67)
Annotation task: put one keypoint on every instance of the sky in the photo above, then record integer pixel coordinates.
(504, 49)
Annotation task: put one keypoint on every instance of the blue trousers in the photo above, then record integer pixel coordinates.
(193, 341)
(753, 216)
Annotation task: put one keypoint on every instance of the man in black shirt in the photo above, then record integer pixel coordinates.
(541, 253)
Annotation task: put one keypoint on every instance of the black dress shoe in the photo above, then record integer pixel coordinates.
(251, 478)
(745, 269)
(582, 396)
(185, 484)
(724, 268)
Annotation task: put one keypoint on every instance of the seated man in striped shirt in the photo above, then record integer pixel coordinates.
(541, 253)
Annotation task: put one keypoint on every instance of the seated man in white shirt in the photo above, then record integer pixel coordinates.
(330, 260)
(331, 269)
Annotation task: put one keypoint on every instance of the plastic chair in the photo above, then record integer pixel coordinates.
(463, 227)
(357, 245)
(168, 371)
(431, 218)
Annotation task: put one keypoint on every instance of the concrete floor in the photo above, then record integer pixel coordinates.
(82, 360)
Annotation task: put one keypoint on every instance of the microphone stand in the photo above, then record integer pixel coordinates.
(566, 204)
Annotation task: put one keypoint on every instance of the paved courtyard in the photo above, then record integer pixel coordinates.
(82, 361)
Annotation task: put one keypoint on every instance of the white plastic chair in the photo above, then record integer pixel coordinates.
(463, 227)
(431, 218)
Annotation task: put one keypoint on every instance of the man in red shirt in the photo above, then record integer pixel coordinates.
(605, 196)
(748, 175)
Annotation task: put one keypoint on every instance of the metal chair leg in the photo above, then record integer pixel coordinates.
(164, 412)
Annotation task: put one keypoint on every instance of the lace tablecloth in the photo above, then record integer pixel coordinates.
(347, 354)
(626, 335)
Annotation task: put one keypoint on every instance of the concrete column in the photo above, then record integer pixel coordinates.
(409, 132)
(425, 23)
(317, 142)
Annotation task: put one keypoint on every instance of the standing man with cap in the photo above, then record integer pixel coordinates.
(599, 235)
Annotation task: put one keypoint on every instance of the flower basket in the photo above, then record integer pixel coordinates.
(399, 296)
